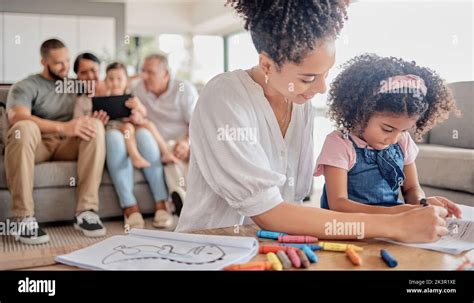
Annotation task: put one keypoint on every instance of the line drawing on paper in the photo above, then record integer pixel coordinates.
(199, 255)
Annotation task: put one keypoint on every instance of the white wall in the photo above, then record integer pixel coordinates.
(152, 19)
(24, 33)
(21, 46)
(203, 17)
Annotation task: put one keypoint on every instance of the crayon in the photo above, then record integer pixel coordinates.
(263, 249)
(295, 259)
(297, 239)
(304, 260)
(313, 258)
(353, 256)
(258, 265)
(388, 258)
(300, 245)
(276, 264)
(267, 234)
(285, 261)
(339, 246)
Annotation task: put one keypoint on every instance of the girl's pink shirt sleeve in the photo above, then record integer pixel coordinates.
(409, 148)
(340, 152)
(337, 152)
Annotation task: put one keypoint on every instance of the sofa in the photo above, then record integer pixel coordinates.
(446, 159)
(55, 199)
(445, 167)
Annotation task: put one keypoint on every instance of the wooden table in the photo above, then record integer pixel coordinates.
(408, 258)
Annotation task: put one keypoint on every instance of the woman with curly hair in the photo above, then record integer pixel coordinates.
(251, 133)
(374, 102)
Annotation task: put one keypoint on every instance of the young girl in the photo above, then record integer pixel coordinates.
(116, 84)
(375, 101)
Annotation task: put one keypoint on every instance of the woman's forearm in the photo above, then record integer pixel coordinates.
(423, 224)
(297, 219)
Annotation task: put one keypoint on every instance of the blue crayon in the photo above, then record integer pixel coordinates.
(388, 258)
(313, 247)
(269, 234)
(313, 258)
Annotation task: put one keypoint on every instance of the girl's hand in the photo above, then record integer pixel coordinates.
(101, 116)
(132, 103)
(423, 224)
(136, 118)
(450, 206)
(169, 158)
(136, 105)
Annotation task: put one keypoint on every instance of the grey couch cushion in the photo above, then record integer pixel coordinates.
(59, 174)
(462, 126)
(4, 93)
(446, 167)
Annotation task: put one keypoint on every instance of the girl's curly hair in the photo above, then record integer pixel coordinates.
(288, 29)
(354, 97)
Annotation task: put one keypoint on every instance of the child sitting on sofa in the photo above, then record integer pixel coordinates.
(116, 83)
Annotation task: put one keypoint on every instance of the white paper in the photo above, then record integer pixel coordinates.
(160, 250)
(459, 239)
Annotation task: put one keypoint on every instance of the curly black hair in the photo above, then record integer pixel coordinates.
(288, 29)
(354, 95)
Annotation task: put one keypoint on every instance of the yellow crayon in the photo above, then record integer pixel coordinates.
(275, 261)
(339, 246)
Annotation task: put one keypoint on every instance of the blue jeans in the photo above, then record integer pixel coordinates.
(120, 166)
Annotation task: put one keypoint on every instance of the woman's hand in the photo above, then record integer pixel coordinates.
(101, 116)
(424, 224)
(450, 206)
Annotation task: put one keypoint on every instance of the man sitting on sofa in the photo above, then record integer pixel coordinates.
(169, 102)
(42, 129)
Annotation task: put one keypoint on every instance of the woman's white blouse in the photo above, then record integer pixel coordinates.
(240, 163)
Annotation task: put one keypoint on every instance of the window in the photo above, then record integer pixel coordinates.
(174, 47)
(208, 58)
(241, 51)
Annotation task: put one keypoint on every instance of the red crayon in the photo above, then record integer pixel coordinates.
(295, 259)
(264, 249)
(297, 239)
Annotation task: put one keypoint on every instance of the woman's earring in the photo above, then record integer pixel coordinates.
(266, 79)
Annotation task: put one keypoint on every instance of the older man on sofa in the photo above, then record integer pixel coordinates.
(169, 102)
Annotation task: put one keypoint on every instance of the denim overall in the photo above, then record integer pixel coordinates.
(376, 177)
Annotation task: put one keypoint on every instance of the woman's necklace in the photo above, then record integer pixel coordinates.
(282, 122)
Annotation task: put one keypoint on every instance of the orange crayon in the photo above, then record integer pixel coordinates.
(264, 249)
(353, 256)
(257, 265)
